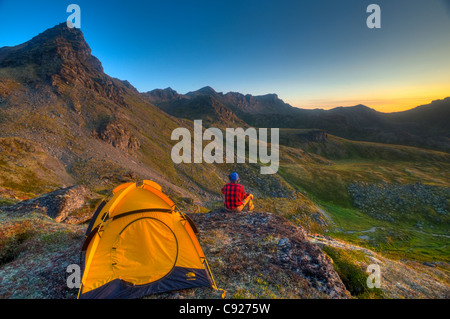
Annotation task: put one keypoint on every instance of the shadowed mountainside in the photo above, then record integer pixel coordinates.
(424, 126)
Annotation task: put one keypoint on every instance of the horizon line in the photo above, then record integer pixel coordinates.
(334, 105)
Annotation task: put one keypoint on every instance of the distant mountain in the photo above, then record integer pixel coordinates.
(215, 107)
(162, 95)
(240, 103)
(434, 117)
(424, 126)
(207, 90)
(204, 104)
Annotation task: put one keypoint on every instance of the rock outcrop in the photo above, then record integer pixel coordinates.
(394, 202)
(58, 204)
(251, 254)
(259, 254)
(119, 136)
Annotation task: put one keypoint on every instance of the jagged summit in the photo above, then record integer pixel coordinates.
(161, 95)
(206, 90)
(60, 58)
(60, 30)
(51, 50)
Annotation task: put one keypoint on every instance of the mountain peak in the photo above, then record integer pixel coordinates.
(59, 50)
(60, 34)
(207, 90)
(60, 30)
(362, 107)
(162, 95)
(61, 59)
(355, 108)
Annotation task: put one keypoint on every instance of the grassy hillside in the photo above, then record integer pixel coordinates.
(26, 170)
(367, 189)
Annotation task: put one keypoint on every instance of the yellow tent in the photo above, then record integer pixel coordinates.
(139, 243)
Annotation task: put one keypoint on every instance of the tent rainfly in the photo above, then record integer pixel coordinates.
(139, 243)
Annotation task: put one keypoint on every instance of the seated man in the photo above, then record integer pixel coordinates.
(235, 196)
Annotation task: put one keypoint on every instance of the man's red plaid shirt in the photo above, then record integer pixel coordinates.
(234, 194)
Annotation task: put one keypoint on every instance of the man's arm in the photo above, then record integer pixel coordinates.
(243, 193)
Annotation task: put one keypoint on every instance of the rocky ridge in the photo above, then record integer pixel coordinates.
(260, 254)
(58, 204)
(252, 254)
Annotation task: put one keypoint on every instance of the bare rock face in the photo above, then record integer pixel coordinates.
(314, 136)
(63, 59)
(119, 136)
(59, 50)
(58, 204)
(248, 249)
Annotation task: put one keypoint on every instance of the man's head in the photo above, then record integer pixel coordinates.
(234, 177)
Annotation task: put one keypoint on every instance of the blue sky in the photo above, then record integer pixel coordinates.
(314, 53)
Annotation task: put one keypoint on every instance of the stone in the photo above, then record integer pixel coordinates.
(58, 204)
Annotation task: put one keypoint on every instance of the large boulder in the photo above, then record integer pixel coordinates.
(263, 255)
(58, 204)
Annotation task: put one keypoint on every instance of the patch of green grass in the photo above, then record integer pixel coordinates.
(25, 169)
(398, 242)
(29, 182)
(349, 266)
(414, 245)
(56, 237)
(325, 169)
(11, 246)
(349, 219)
(7, 201)
(318, 182)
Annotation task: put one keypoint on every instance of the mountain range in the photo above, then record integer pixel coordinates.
(424, 126)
